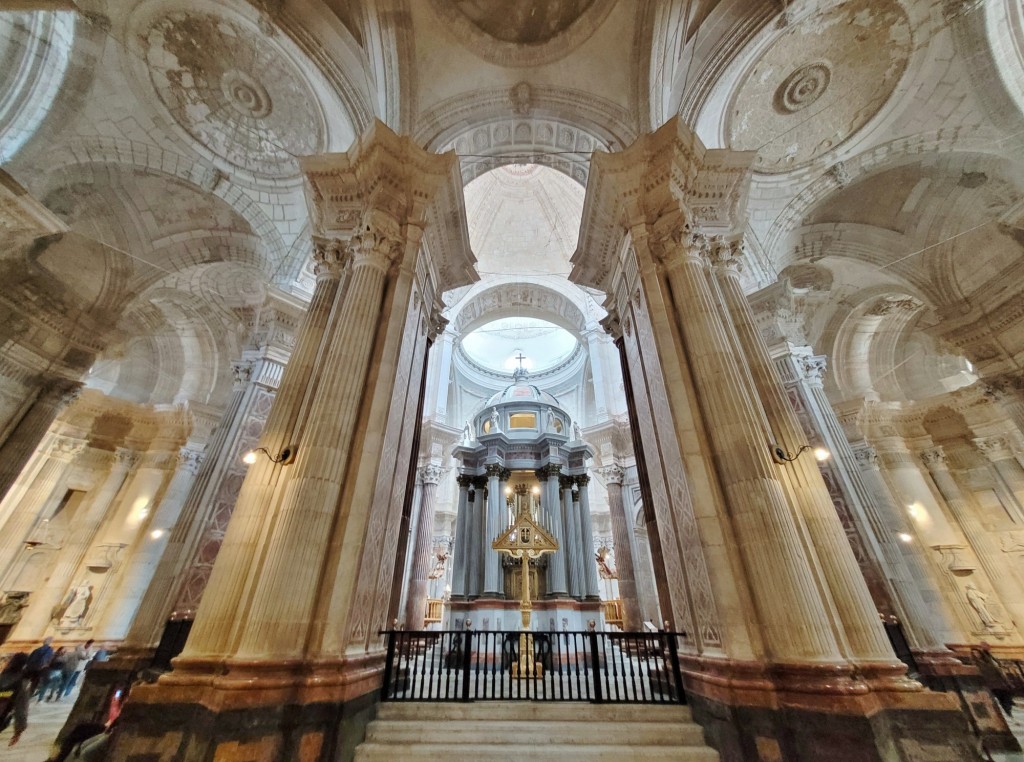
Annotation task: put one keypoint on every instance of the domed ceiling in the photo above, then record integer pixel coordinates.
(498, 345)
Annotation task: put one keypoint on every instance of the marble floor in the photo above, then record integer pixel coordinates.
(44, 722)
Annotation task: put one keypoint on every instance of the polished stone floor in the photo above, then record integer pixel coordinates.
(44, 722)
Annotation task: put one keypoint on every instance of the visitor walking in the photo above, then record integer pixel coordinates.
(50, 685)
(39, 662)
(15, 691)
(79, 659)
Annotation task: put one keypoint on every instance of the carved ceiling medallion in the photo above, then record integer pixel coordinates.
(234, 92)
(819, 83)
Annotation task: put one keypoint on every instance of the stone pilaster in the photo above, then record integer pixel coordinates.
(83, 531)
(25, 436)
(35, 504)
(423, 547)
(1003, 582)
(624, 565)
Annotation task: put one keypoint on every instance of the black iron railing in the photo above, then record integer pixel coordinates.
(605, 667)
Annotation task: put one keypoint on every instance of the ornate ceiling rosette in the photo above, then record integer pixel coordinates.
(819, 83)
(234, 91)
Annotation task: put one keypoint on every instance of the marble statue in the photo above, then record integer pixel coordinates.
(494, 420)
(78, 603)
(979, 602)
(577, 434)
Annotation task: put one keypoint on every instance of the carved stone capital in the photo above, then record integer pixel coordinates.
(583, 480)
(612, 474)
(813, 367)
(464, 481)
(431, 473)
(67, 448)
(190, 460)
(494, 470)
(242, 372)
(566, 482)
(867, 457)
(934, 459)
(59, 392)
(552, 470)
(329, 257)
(374, 248)
(1003, 388)
(126, 458)
(611, 323)
(994, 448)
(726, 255)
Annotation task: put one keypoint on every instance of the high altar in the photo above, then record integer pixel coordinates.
(522, 451)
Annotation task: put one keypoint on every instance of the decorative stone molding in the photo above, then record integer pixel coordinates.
(67, 448)
(612, 474)
(889, 306)
(329, 257)
(934, 459)
(126, 458)
(242, 372)
(813, 367)
(190, 460)
(994, 448)
(867, 457)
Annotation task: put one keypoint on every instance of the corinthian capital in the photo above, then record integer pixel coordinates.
(934, 458)
(189, 459)
(726, 254)
(813, 367)
(612, 474)
(994, 448)
(375, 248)
(867, 457)
(67, 448)
(126, 458)
(431, 473)
(329, 257)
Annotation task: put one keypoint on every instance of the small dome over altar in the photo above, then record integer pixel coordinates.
(522, 410)
(521, 391)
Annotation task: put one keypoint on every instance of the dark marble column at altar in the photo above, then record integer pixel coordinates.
(548, 476)
(462, 544)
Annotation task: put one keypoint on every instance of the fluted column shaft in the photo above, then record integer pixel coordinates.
(285, 594)
(624, 565)
(17, 449)
(423, 547)
(928, 626)
(778, 569)
(33, 504)
(212, 632)
(864, 633)
(590, 584)
(146, 554)
(556, 576)
(1001, 578)
(492, 559)
(570, 524)
(462, 544)
(69, 559)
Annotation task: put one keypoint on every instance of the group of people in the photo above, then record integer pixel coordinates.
(45, 673)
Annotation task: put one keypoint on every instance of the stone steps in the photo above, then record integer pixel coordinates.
(524, 730)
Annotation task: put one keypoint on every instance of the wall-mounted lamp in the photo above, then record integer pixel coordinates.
(781, 456)
(156, 534)
(905, 537)
(286, 457)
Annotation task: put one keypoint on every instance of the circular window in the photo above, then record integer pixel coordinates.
(506, 344)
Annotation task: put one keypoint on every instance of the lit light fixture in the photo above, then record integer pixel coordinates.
(156, 534)
(905, 537)
(781, 456)
(536, 490)
(508, 490)
(286, 457)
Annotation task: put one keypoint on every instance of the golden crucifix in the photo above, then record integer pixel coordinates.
(525, 539)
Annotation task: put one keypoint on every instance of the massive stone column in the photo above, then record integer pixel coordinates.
(423, 546)
(475, 546)
(1003, 583)
(305, 580)
(622, 529)
(548, 476)
(764, 613)
(28, 432)
(590, 585)
(83, 530)
(866, 639)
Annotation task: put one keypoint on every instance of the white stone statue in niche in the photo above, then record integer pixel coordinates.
(78, 601)
(979, 602)
(577, 435)
(494, 420)
(467, 436)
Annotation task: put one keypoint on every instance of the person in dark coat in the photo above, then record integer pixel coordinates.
(39, 662)
(15, 691)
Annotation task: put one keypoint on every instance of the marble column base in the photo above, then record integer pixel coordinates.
(769, 713)
(273, 711)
